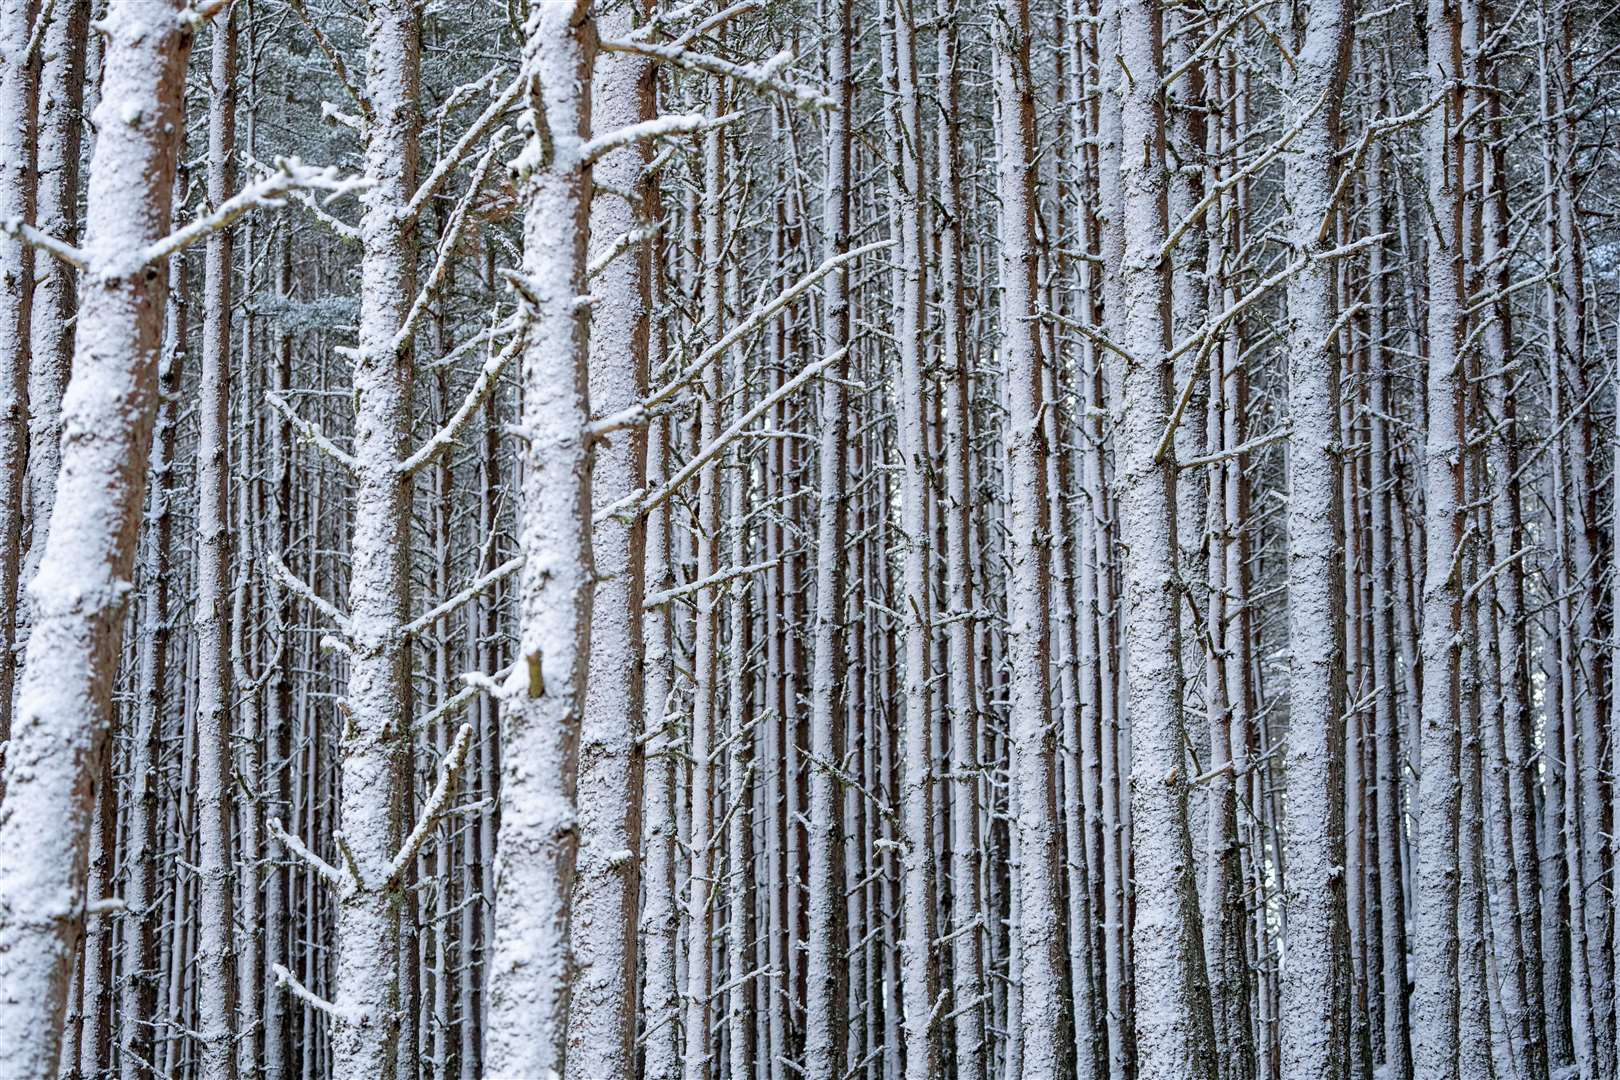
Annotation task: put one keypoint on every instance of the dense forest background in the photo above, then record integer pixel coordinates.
(809, 539)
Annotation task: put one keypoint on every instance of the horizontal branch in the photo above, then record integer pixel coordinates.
(708, 453)
(290, 174)
(50, 245)
(713, 580)
(659, 127)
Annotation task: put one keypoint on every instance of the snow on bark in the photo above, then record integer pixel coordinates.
(1316, 975)
(1039, 934)
(825, 976)
(607, 889)
(81, 590)
(1435, 1006)
(542, 702)
(19, 86)
(1174, 1034)
(61, 121)
(216, 977)
(919, 976)
(375, 744)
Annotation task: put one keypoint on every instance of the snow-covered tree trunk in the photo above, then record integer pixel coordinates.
(81, 590)
(1173, 1026)
(375, 746)
(919, 976)
(825, 979)
(55, 299)
(1435, 1006)
(1039, 935)
(607, 888)
(19, 87)
(543, 701)
(967, 961)
(1316, 981)
(216, 974)
(1386, 717)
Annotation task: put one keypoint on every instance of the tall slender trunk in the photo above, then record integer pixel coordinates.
(1435, 1006)
(1316, 984)
(543, 701)
(606, 892)
(216, 991)
(64, 707)
(826, 979)
(50, 361)
(1040, 938)
(19, 89)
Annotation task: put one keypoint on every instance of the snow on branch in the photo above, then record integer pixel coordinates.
(1260, 161)
(449, 773)
(765, 75)
(60, 249)
(289, 174)
(301, 588)
(708, 453)
(311, 433)
(482, 387)
(331, 874)
(448, 163)
(480, 585)
(289, 982)
(660, 127)
(658, 599)
(333, 58)
(447, 245)
(761, 314)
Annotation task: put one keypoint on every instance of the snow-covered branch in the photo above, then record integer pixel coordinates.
(290, 174)
(478, 586)
(662, 127)
(43, 241)
(764, 76)
(325, 870)
(452, 158)
(311, 433)
(302, 589)
(449, 773)
(761, 314)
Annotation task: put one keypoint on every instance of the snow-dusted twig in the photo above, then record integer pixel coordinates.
(290, 174)
(482, 387)
(690, 469)
(324, 869)
(654, 600)
(447, 164)
(33, 237)
(480, 585)
(762, 76)
(447, 244)
(302, 588)
(1236, 451)
(311, 433)
(1093, 333)
(660, 127)
(761, 314)
(449, 773)
(289, 982)
(333, 58)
